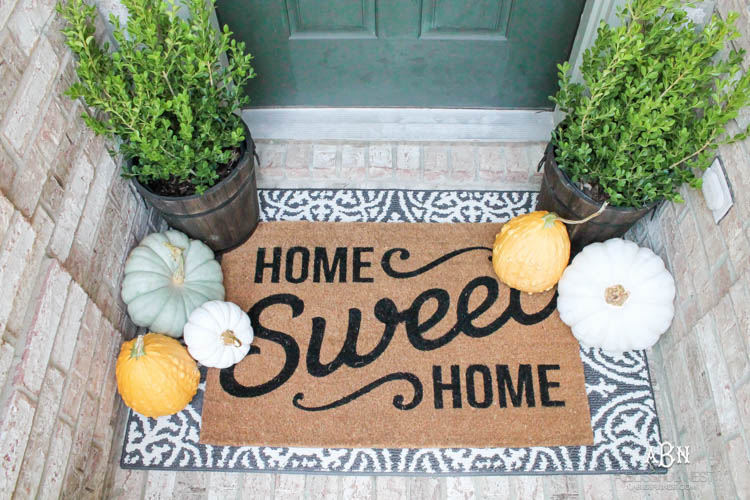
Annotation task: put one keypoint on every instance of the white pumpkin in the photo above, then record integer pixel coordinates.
(167, 276)
(616, 296)
(218, 334)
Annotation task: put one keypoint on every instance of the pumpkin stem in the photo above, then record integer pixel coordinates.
(229, 339)
(551, 217)
(178, 278)
(616, 295)
(137, 350)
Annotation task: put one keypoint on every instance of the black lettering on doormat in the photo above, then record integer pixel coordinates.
(478, 383)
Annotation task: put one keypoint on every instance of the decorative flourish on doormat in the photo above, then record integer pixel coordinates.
(623, 413)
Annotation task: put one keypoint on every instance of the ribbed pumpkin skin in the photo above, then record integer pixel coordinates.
(160, 382)
(642, 315)
(205, 334)
(528, 256)
(161, 288)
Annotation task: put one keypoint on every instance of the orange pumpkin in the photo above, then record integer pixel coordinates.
(156, 375)
(531, 251)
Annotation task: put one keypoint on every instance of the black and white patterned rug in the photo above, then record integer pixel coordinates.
(623, 411)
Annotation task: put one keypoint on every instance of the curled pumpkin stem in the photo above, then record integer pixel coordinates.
(595, 214)
(230, 339)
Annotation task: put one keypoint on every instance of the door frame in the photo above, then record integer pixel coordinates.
(426, 124)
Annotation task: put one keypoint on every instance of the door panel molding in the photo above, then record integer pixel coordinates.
(300, 28)
(438, 23)
(391, 65)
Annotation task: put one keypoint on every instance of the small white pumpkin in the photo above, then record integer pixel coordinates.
(167, 276)
(616, 296)
(218, 334)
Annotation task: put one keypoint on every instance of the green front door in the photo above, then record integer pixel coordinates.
(421, 53)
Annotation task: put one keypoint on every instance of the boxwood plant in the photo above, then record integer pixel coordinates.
(657, 97)
(162, 89)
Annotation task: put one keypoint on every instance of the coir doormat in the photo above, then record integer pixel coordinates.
(622, 411)
(392, 335)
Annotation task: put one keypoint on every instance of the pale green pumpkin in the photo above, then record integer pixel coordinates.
(167, 276)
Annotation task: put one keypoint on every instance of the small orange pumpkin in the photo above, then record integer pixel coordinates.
(156, 375)
(531, 251)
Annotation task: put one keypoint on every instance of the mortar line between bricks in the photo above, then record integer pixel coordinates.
(449, 161)
(54, 365)
(10, 388)
(13, 155)
(691, 212)
(475, 161)
(48, 442)
(745, 340)
(421, 161)
(144, 486)
(66, 419)
(740, 432)
(733, 396)
(706, 404)
(42, 110)
(367, 159)
(741, 381)
(16, 213)
(58, 414)
(339, 161)
(613, 485)
(394, 159)
(670, 415)
(579, 485)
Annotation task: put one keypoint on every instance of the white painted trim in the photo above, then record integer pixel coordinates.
(401, 124)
